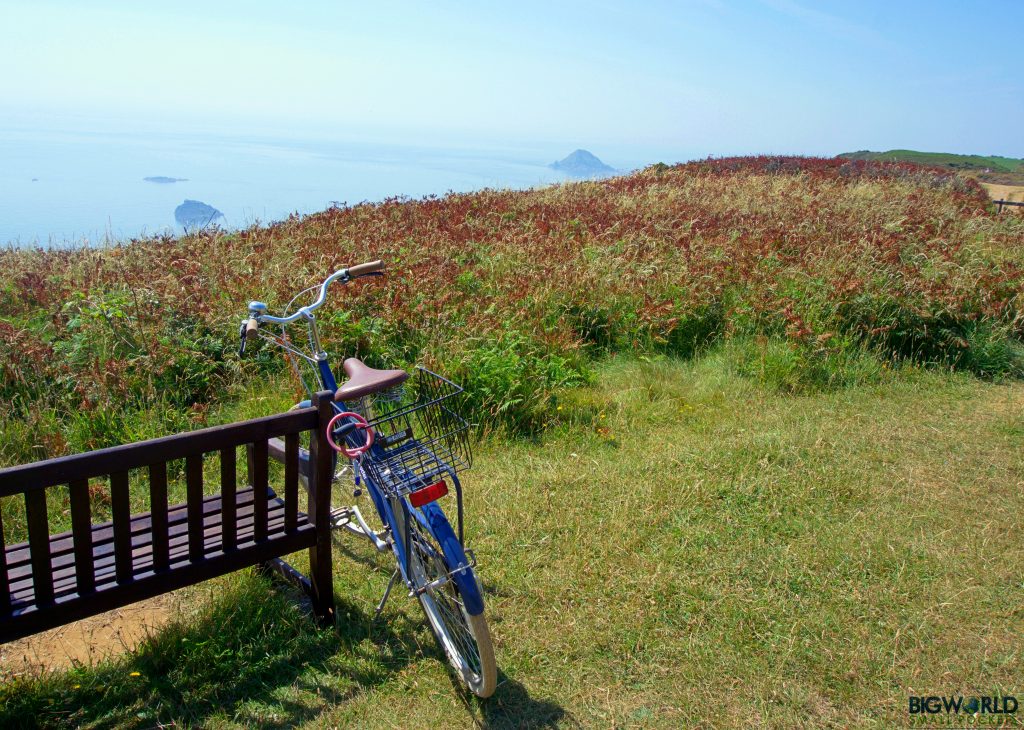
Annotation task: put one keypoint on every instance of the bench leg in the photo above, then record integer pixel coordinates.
(321, 459)
(321, 580)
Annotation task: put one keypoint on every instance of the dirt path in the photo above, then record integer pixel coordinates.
(86, 641)
(1013, 193)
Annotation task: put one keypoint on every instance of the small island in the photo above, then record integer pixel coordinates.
(582, 164)
(196, 214)
(163, 180)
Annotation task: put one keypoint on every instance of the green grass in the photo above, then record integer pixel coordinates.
(978, 163)
(687, 543)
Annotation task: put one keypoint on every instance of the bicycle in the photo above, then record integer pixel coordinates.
(403, 444)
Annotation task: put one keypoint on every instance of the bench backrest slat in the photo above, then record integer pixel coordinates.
(194, 498)
(20, 479)
(39, 546)
(158, 515)
(260, 484)
(81, 528)
(291, 481)
(121, 515)
(228, 491)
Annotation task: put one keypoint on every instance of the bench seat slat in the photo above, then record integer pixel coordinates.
(66, 580)
(69, 607)
(142, 556)
(106, 576)
(141, 526)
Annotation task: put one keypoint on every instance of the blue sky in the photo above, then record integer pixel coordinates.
(666, 79)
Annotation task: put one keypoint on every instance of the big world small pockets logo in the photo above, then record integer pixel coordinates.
(994, 710)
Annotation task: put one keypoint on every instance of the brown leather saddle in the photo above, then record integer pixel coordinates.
(364, 380)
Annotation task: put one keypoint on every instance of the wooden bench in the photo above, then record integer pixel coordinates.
(54, 579)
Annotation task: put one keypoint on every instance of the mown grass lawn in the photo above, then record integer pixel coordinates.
(683, 548)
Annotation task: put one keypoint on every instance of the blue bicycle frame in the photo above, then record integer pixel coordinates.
(430, 516)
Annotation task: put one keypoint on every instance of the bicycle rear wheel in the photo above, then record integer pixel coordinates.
(450, 596)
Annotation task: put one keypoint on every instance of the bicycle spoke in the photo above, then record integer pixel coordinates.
(450, 610)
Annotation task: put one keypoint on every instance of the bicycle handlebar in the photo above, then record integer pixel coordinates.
(257, 313)
(370, 267)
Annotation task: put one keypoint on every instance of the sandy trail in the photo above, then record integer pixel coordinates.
(87, 641)
(1013, 193)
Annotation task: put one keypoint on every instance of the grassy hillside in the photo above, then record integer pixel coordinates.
(682, 548)
(773, 459)
(991, 168)
(832, 270)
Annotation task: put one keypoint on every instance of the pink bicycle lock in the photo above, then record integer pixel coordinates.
(360, 423)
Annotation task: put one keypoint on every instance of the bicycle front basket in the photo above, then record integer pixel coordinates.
(421, 433)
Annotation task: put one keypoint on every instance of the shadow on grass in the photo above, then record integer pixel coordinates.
(253, 656)
(511, 706)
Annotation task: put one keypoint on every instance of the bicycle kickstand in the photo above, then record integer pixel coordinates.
(387, 592)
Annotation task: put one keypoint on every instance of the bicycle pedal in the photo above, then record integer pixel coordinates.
(341, 516)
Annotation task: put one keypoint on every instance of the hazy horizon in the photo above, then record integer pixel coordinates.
(651, 81)
(270, 110)
(75, 187)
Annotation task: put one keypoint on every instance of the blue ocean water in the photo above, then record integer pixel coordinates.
(59, 188)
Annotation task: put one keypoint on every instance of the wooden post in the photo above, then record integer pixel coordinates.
(321, 459)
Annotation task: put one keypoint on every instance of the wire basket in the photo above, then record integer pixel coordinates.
(420, 433)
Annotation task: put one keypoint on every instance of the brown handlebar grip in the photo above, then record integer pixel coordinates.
(250, 328)
(370, 267)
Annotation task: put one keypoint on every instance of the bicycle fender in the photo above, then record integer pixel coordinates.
(456, 558)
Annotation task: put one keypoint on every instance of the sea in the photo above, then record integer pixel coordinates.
(65, 188)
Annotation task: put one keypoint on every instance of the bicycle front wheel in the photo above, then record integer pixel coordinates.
(450, 596)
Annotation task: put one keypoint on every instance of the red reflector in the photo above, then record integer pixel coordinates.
(428, 494)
